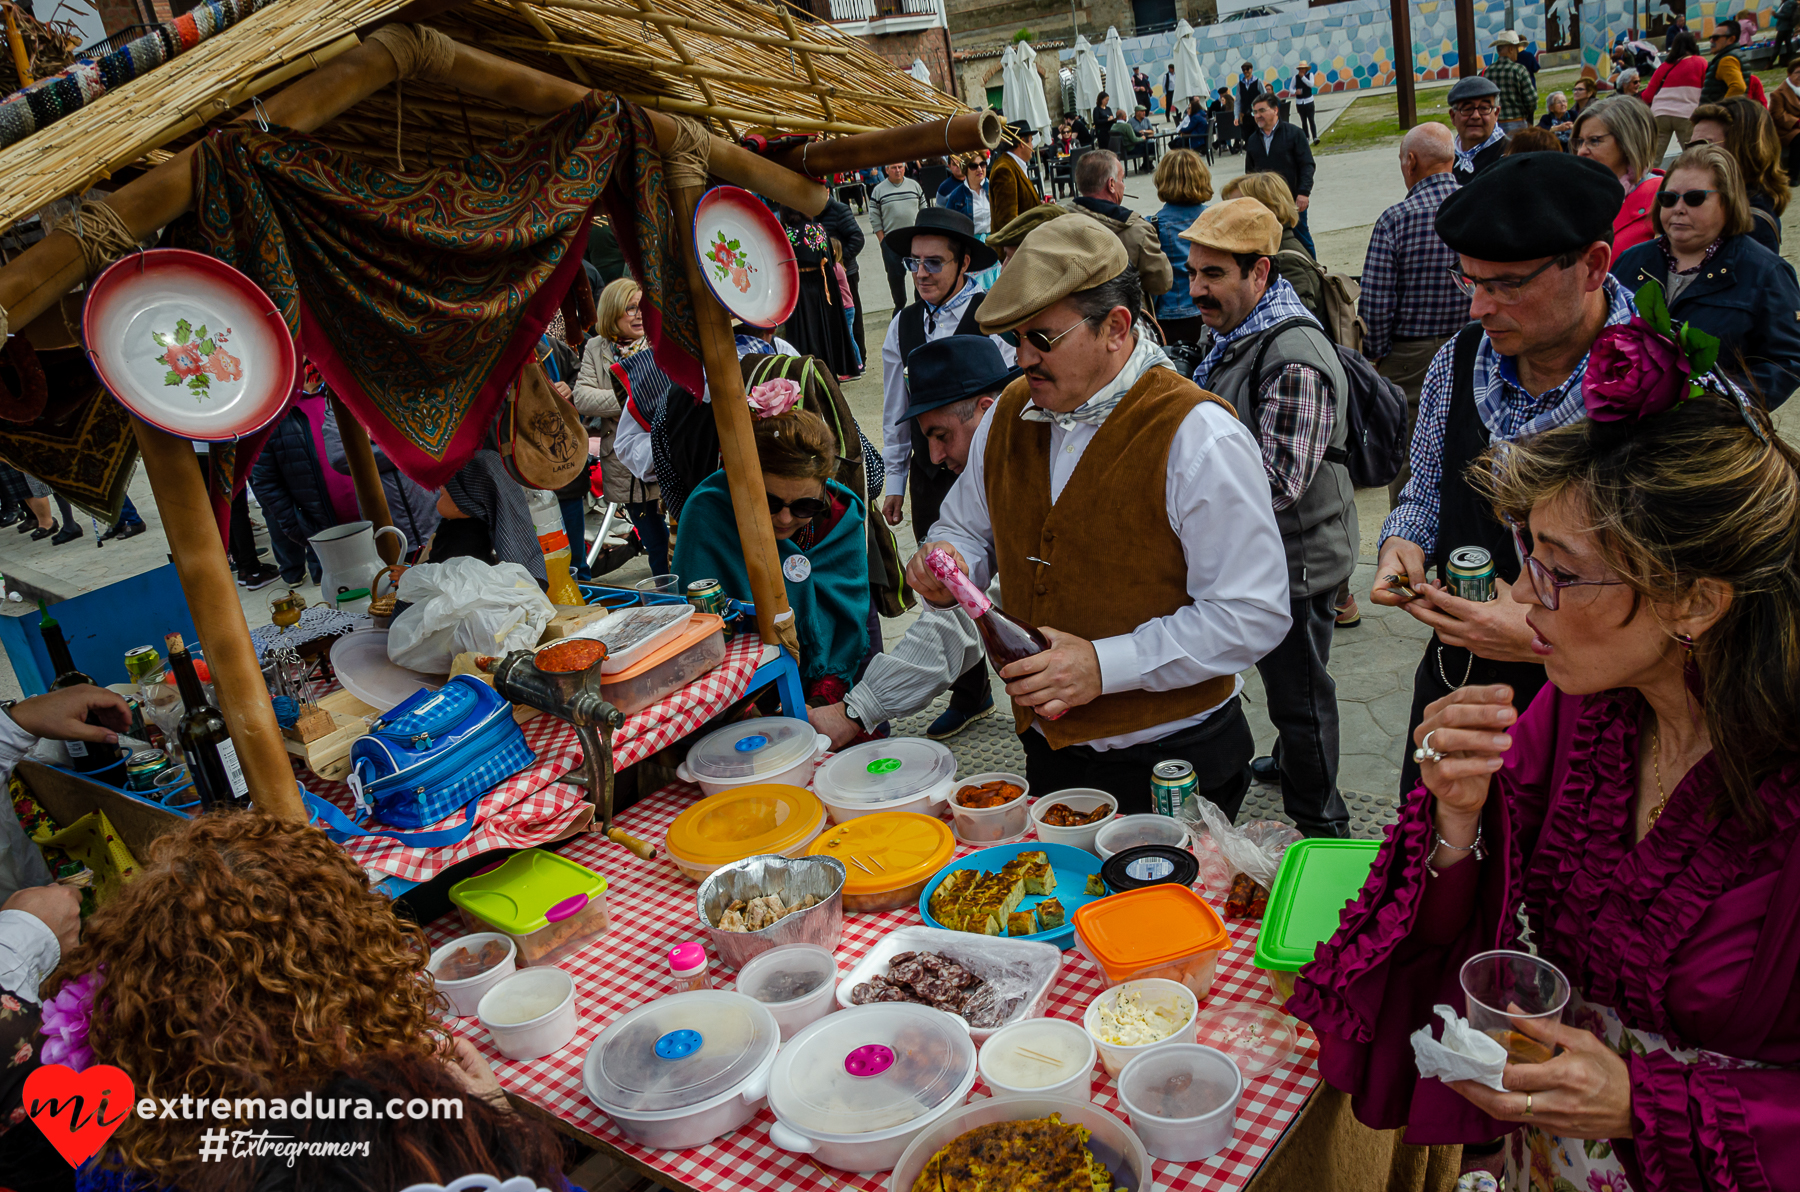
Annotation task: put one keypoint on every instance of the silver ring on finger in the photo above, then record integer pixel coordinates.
(1527, 1104)
(1425, 753)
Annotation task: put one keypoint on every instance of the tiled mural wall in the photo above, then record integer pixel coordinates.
(1352, 43)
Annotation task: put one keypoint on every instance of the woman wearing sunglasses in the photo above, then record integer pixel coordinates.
(1643, 811)
(819, 533)
(1715, 275)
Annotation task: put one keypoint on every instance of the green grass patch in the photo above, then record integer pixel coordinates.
(1374, 120)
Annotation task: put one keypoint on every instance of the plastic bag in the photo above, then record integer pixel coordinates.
(465, 605)
(1255, 849)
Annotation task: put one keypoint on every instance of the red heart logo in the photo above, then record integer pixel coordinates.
(78, 1111)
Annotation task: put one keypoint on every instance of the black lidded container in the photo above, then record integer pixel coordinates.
(1149, 865)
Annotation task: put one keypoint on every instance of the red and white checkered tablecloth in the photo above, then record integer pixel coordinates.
(652, 908)
(532, 806)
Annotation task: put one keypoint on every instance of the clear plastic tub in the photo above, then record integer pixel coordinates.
(797, 982)
(1167, 932)
(673, 665)
(992, 825)
(895, 774)
(1182, 1101)
(1040, 1057)
(1081, 799)
(767, 751)
(1168, 999)
(551, 906)
(1136, 831)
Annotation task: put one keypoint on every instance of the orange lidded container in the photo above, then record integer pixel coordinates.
(1159, 931)
(889, 857)
(749, 821)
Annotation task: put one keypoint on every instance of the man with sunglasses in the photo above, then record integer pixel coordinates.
(1533, 242)
(1271, 359)
(941, 251)
(1475, 111)
(1127, 516)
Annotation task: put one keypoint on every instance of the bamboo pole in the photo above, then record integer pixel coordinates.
(543, 28)
(16, 41)
(931, 138)
(371, 495)
(806, 62)
(737, 438)
(702, 27)
(681, 51)
(199, 556)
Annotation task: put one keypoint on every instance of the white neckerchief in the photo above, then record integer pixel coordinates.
(1144, 357)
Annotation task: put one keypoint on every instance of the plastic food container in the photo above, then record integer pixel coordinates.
(771, 750)
(1182, 1101)
(1135, 831)
(1083, 799)
(888, 857)
(1163, 931)
(1028, 968)
(464, 996)
(1316, 881)
(992, 825)
(530, 1014)
(1149, 865)
(683, 1070)
(1112, 1142)
(551, 906)
(1170, 997)
(797, 982)
(853, 1089)
(672, 665)
(748, 821)
(1040, 1057)
(634, 634)
(791, 878)
(1258, 1038)
(898, 774)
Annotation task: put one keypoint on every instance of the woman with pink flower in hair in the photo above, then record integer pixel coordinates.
(819, 534)
(1641, 817)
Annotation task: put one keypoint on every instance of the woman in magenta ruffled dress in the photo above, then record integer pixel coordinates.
(1640, 818)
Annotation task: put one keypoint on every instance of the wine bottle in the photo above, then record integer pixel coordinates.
(211, 758)
(85, 756)
(1007, 638)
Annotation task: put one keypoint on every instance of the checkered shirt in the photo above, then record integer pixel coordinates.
(1508, 412)
(1518, 90)
(1407, 290)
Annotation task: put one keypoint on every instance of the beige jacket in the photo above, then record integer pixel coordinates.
(1139, 237)
(600, 409)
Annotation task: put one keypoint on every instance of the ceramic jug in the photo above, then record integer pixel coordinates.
(347, 556)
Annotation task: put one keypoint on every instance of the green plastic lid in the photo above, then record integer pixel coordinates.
(1317, 879)
(528, 891)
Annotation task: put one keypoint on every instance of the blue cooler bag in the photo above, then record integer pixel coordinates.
(430, 754)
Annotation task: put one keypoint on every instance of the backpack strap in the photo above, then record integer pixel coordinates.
(340, 827)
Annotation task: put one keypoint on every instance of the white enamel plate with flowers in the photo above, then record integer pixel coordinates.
(745, 256)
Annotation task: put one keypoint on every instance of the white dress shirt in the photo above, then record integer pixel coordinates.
(935, 649)
(1217, 497)
(29, 951)
(940, 323)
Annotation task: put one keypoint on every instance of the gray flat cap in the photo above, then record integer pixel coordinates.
(1478, 87)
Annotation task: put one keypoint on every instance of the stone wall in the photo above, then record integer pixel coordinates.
(927, 45)
(977, 71)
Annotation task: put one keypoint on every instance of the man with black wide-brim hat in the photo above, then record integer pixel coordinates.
(941, 251)
(1533, 238)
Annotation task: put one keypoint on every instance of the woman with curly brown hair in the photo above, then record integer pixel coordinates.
(248, 954)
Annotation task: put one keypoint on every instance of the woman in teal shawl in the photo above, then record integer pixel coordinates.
(819, 533)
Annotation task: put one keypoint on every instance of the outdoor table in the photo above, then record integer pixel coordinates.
(652, 908)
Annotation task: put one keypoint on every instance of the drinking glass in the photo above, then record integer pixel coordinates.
(663, 585)
(1506, 988)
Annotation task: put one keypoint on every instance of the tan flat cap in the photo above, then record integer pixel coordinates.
(1055, 259)
(1023, 224)
(1236, 225)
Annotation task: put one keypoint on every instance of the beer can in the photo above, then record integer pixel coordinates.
(1469, 574)
(708, 596)
(141, 662)
(1171, 783)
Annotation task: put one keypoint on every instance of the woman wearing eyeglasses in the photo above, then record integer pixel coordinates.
(1715, 276)
(1620, 134)
(1643, 812)
(819, 533)
(1748, 133)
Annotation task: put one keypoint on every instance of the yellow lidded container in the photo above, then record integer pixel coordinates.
(749, 821)
(889, 856)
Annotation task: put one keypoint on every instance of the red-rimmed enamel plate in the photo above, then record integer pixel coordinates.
(745, 256)
(189, 344)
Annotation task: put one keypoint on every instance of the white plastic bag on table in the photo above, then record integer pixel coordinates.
(1226, 850)
(465, 605)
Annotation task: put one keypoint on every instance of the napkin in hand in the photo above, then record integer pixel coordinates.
(1463, 1054)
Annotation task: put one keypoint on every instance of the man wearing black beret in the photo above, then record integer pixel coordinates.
(1533, 238)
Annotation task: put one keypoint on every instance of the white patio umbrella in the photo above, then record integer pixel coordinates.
(1037, 108)
(1118, 72)
(921, 72)
(1190, 80)
(1087, 77)
(1011, 95)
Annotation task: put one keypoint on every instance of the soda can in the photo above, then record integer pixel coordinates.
(1171, 782)
(141, 662)
(1469, 573)
(708, 596)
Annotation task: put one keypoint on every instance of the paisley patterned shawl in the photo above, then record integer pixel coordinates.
(80, 443)
(420, 293)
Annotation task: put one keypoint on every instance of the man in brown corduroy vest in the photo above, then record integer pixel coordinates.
(1126, 514)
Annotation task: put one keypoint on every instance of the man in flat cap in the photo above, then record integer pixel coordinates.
(1475, 111)
(1271, 359)
(1533, 238)
(941, 251)
(1010, 188)
(952, 383)
(1127, 516)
